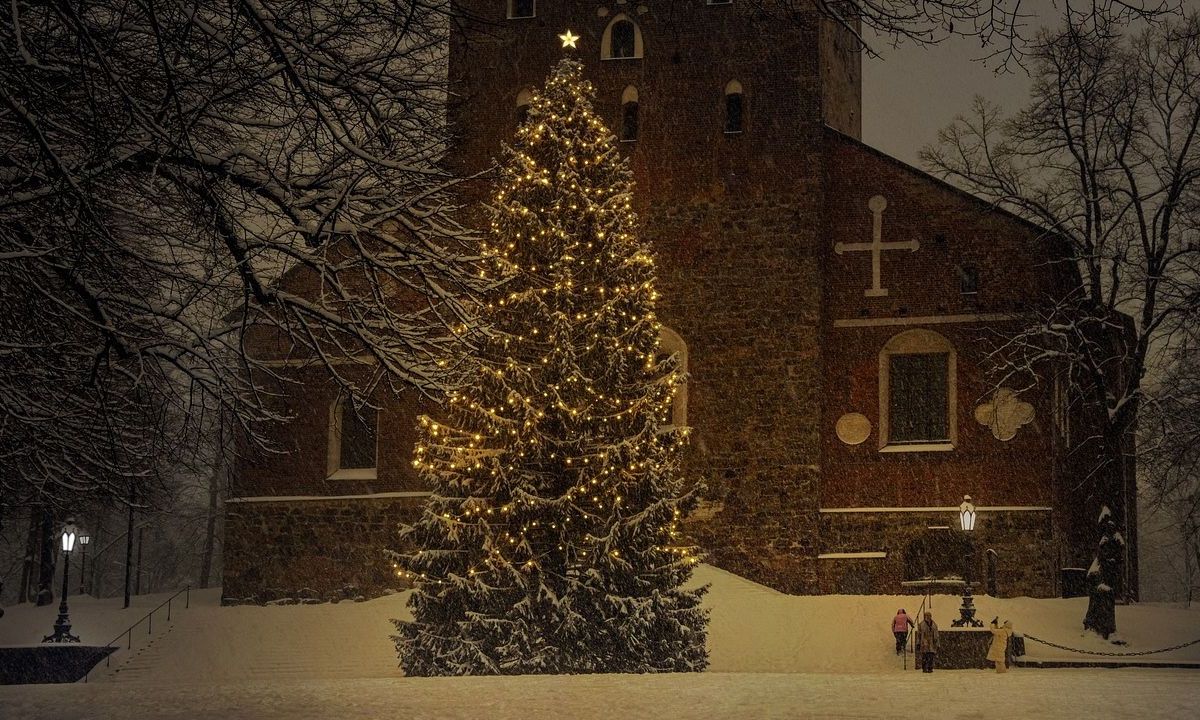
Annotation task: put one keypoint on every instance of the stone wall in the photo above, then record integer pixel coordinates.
(754, 367)
(326, 549)
(1026, 550)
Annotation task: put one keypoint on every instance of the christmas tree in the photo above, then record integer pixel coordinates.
(550, 544)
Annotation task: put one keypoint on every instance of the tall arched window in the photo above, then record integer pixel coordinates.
(918, 393)
(521, 8)
(629, 114)
(733, 107)
(352, 441)
(669, 343)
(523, 99)
(622, 40)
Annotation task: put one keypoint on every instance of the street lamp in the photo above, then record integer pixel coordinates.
(966, 519)
(84, 539)
(62, 626)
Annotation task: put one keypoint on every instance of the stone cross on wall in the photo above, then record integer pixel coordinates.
(877, 205)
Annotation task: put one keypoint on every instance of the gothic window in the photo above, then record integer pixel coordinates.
(352, 440)
(523, 99)
(733, 107)
(917, 393)
(622, 40)
(521, 8)
(968, 279)
(629, 114)
(669, 343)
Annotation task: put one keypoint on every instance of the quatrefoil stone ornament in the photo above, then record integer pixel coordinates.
(1005, 414)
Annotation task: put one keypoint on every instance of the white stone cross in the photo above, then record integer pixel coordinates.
(877, 205)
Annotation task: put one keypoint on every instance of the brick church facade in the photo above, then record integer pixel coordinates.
(834, 307)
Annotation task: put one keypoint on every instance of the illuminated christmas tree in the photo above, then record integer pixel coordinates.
(551, 544)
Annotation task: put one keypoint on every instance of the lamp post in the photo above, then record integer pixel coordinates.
(62, 626)
(966, 519)
(84, 539)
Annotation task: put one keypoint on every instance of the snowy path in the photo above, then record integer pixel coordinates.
(1045, 695)
(772, 655)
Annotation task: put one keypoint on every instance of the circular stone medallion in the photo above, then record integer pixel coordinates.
(853, 428)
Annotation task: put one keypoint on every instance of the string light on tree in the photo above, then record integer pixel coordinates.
(551, 543)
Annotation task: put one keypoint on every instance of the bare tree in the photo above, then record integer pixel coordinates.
(1004, 28)
(1170, 447)
(1106, 157)
(181, 178)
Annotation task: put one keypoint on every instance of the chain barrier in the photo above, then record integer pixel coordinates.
(1027, 636)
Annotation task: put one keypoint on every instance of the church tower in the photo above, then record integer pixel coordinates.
(721, 109)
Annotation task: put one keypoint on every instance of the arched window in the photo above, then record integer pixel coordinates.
(521, 8)
(523, 99)
(629, 114)
(968, 279)
(352, 441)
(669, 343)
(918, 393)
(622, 40)
(733, 107)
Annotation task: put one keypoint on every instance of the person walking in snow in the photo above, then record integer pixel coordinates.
(900, 625)
(999, 648)
(927, 641)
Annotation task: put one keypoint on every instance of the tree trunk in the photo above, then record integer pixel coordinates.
(25, 589)
(1107, 572)
(214, 493)
(94, 574)
(141, 543)
(129, 544)
(45, 591)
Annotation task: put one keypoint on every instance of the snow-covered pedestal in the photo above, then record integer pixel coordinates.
(962, 648)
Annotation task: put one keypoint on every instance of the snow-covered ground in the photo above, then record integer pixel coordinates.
(773, 655)
(1041, 694)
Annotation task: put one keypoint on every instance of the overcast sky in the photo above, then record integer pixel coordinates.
(912, 92)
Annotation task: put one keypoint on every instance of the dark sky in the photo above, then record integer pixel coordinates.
(912, 92)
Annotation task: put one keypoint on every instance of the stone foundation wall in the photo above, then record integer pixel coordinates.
(1024, 543)
(315, 550)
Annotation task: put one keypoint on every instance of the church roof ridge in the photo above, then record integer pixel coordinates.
(849, 139)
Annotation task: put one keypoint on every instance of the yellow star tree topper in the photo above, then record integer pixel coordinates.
(551, 543)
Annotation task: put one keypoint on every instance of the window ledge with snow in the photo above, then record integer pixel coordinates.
(355, 474)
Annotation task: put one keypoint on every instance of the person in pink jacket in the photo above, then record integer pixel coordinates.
(900, 625)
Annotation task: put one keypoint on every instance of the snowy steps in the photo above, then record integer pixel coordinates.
(258, 645)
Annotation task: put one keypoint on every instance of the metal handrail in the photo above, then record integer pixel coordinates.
(128, 632)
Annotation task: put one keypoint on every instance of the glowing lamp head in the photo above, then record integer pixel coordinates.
(966, 514)
(69, 534)
(84, 539)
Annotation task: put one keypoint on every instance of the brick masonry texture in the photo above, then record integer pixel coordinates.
(1019, 541)
(312, 549)
(744, 226)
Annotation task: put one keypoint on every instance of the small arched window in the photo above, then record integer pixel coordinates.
(733, 107)
(524, 98)
(968, 280)
(521, 9)
(629, 114)
(622, 40)
(352, 441)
